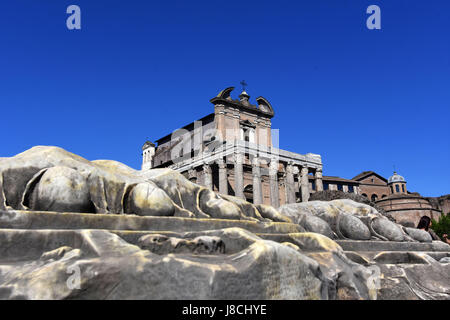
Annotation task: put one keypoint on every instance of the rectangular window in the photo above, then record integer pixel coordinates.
(325, 186)
(350, 189)
(339, 187)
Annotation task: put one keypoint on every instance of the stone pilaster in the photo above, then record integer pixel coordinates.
(239, 175)
(304, 184)
(273, 183)
(207, 176)
(319, 179)
(290, 187)
(257, 185)
(223, 177)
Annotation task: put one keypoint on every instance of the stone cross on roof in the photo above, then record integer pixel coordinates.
(244, 85)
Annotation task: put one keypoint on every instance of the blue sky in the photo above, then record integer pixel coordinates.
(363, 99)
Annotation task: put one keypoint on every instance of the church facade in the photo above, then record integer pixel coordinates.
(234, 151)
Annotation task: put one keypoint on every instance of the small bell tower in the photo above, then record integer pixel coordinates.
(148, 152)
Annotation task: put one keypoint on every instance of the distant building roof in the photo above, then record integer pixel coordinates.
(339, 179)
(365, 174)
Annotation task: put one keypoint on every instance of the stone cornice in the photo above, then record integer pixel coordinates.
(311, 161)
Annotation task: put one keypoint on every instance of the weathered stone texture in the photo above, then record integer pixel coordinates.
(157, 235)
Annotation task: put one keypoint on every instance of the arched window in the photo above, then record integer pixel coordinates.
(364, 195)
(374, 197)
(383, 196)
(403, 187)
(392, 190)
(397, 188)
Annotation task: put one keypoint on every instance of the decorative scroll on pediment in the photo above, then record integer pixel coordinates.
(264, 105)
(225, 94)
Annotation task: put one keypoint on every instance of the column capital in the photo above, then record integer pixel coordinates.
(289, 168)
(274, 164)
(318, 174)
(304, 170)
(256, 162)
(238, 157)
(221, 163)
(206, 167)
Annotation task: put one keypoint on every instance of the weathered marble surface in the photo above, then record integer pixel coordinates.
(156, 235)
(52, 179)
(35, 265)
(347, 219)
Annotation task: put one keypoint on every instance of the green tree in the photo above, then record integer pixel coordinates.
(442, 226)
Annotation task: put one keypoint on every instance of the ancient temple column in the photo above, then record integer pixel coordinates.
(223, 177)
(239, 175)
(257, 185)
(273, 183)
(207, 176)
(290, 187)
(304, 184)
(319, 181)
(298, 182)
